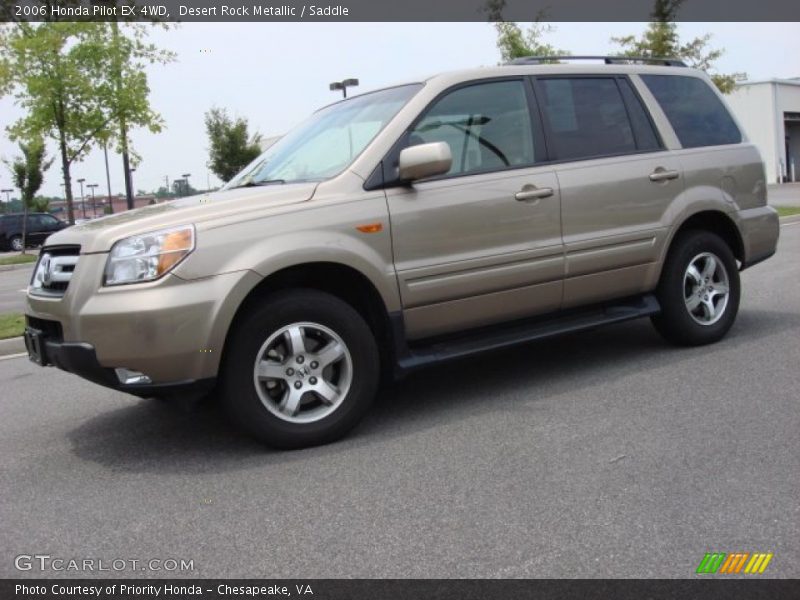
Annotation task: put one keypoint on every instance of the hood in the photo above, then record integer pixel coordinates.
(98, 235)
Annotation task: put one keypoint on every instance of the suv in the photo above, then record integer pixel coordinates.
(415, 224)
(39, 227)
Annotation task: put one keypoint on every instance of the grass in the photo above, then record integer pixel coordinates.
(11, 325)
(18, 259)
(787, 211)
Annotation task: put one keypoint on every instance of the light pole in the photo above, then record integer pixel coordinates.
(186, 183)
(92, 186)
(343, 85)
(83, 201)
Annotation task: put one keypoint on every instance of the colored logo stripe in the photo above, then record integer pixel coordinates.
(758, 563)
(734, 563)
(711, 562)
(723, 563)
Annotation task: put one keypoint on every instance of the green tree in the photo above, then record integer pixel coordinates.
(232, 148)
(28, 173)
(514, 42)
(40, 204)
(43, 66)
(661, 39)
(117, 57)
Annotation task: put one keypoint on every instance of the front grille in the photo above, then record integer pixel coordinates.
(54, 270)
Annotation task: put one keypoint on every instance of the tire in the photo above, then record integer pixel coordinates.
(695, 308)
(15, 243)
(317, 375)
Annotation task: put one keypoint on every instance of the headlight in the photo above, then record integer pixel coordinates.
(148, 256)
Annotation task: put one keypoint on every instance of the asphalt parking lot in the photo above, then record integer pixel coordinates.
(602, 454)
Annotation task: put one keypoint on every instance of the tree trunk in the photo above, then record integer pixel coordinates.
(126, 164)
(67, 178)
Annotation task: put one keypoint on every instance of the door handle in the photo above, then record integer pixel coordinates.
(530, 192)
(661, 174)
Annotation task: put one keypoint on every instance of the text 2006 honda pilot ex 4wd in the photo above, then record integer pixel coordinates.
(417, 223)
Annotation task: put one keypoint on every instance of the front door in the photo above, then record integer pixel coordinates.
(481, 244)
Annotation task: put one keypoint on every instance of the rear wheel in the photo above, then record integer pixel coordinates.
(16, 243)
(699, 290)
(300, 370)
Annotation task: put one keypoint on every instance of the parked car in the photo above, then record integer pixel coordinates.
(418, 223)
(40, 226)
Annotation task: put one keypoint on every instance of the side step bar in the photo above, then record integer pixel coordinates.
(481, 340)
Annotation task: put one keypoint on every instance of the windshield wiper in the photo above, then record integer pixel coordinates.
(260, 183)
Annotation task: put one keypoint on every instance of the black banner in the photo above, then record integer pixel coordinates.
(390, 10)
(397, 589)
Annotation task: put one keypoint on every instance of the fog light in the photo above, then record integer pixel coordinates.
(128, 377)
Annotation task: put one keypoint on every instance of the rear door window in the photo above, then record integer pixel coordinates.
(694, 110)
(585, 117)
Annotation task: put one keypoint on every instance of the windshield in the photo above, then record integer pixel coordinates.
(326, 143)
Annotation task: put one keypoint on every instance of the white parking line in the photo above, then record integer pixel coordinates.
(25, 291)
(10, 356)
(790, 224)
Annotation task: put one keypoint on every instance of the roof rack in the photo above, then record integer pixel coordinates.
(609, 60)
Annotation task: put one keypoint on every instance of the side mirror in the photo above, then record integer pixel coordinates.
(425, 160)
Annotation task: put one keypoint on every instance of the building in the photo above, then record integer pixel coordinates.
(769, 111)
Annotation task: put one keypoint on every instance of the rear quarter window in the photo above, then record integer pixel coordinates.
(694, 110)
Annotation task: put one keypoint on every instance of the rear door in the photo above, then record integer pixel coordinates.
(617, 181)
(481, 244)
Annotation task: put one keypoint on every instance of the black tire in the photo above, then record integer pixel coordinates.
(675, 322)
(15, 239)
(238, 388)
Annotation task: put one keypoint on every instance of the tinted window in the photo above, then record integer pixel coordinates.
(488, 127)
(586, 117)
(643, 131)
(695, 112)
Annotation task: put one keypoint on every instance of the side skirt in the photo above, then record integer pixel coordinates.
(412, 356)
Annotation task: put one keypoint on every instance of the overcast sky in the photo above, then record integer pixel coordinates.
(276, 74)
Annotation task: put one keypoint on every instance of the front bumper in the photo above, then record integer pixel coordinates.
(173, 330)
(81, 359)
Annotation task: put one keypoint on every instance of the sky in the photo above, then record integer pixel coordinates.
(275, 75)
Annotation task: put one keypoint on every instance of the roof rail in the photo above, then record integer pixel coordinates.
(609, 60)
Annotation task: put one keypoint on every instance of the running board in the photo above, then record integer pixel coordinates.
(520, 332)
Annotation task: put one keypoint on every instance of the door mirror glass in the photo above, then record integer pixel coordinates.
(425, 160)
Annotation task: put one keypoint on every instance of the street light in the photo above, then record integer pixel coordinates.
(83, 202)
(343, 85)
(92, 186)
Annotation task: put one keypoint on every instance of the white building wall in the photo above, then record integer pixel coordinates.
(754, 107)
(759, 107)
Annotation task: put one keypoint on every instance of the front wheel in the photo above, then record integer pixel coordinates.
(16, 244)
(699, 290)
(300, 370)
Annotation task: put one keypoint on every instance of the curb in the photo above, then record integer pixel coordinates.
(12, 346)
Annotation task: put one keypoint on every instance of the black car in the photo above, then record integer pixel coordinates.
(40, 226)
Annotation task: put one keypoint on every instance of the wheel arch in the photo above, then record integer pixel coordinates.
(340, 280)
(714, 221)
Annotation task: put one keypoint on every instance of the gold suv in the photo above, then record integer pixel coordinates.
(414, 224)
